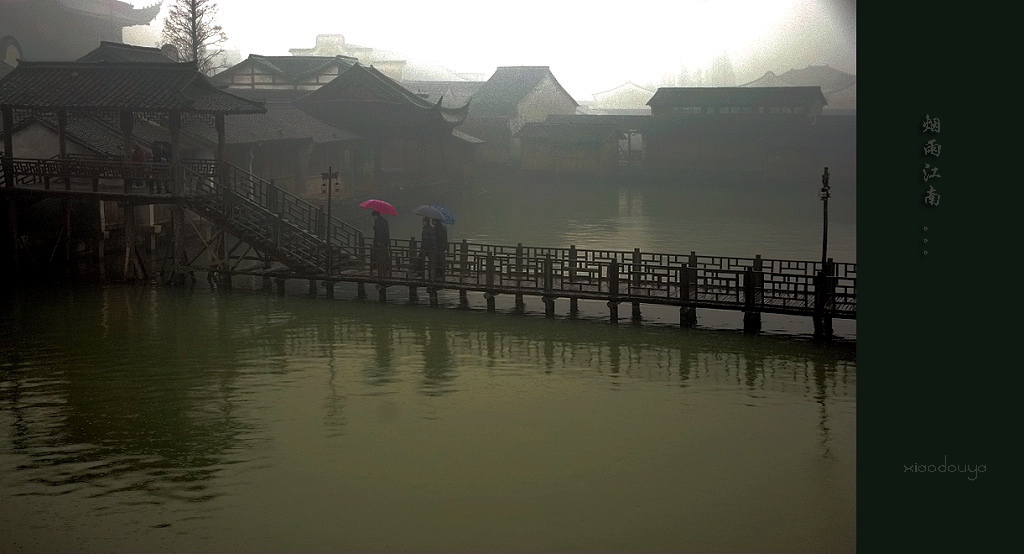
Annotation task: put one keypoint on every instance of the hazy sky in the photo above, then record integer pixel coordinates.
(591, 47)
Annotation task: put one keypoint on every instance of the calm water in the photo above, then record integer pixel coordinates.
(149, 419)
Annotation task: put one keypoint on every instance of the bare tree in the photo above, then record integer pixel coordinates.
(191, 28)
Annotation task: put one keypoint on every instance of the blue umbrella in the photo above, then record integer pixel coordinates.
(448, 218)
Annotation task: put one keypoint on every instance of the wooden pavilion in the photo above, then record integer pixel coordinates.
(118, 94)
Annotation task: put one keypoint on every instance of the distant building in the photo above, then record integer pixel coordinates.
(511, 98)
(628, 95)
(749, 102)
(763, 133)
(388, 63)
(301, 73)
(570, 148)
(64, 30)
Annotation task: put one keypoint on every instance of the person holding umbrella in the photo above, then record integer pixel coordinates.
(441, 246)
(428, 247)
(380, 252)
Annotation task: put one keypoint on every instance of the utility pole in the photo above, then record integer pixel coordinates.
(330, 181)
(824, 194)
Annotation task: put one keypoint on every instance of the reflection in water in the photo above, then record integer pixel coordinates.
(183, 409)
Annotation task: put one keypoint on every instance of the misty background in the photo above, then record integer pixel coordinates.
(590, 47)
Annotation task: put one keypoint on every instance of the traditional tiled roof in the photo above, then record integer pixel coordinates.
(5, 69)
(114, 10)
(118, 52)
(87, 86)
(366, 101)
(741, 96)
(507, 87)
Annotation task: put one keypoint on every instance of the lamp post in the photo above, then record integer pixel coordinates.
(330, 180)
(824, 193)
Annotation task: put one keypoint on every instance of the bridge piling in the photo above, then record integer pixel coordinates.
(753, 297)
(613, 291)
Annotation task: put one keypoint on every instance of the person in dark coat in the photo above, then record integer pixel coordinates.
(380, 253)
(441, 244)
(428, 247)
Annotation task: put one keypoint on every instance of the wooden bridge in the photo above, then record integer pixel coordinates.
(261, 230)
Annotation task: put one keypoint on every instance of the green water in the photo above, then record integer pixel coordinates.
(137, 418)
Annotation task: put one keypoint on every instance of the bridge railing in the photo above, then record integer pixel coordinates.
(633, 276)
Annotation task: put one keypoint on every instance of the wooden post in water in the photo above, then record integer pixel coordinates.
(572, 263)
(7, 118)
(823, 297)
(613, 291)
(329, 289)
(382, 293)
(688, 292)
(361, 290)
(280, 286)
(464, 259)
(549, 278)
(753, 297)
(635, 282)
(413, 264)
(490, 294)
(520, 304)
(463, 299)
(312, 288)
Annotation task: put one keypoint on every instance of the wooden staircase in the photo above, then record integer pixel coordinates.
(286, 228)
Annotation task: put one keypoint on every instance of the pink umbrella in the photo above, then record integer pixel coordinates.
(379, 205)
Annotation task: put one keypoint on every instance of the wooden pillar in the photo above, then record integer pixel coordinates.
(432, 291)
(823, 297)
(549, 280)
(131, 269)
(574, 307)
(329, 289)
(463, 299)
(177, 211)
(62, 144)
(637, 269)
(312, 288)
(520, 304)
(572, 263)
(382, 294)
(267, 284)
(489, 295)
(688, 293)
(753, 298)
(464, 258)
(280, 286)
(361, 290)
(613, 291)
(7, 115)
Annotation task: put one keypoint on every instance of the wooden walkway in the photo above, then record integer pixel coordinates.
(267, 232)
